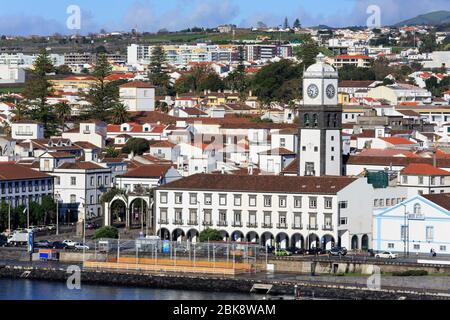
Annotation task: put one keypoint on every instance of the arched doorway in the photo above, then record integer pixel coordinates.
(178, 235)
(313, 241)
(328, 242)
(252, 237)
(138, 213)
(298, 241)
(118, 212)
(267, 239)
(164, 234)
(225, 235)
(282, 240)
(237, 236)
(355, 242)
(365, 242)
(193, 236)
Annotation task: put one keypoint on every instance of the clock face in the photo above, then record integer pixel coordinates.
(331, 91)
(313, 91)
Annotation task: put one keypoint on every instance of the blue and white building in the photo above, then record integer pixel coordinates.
(418, 224)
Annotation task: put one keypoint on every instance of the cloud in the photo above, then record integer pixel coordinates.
(28, 25)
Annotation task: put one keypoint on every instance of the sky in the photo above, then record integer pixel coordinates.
(46, 17)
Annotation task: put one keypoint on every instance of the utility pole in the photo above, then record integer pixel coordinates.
(9, 217)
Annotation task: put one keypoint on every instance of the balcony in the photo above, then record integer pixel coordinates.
(297, 226)
(313, 227)
(222, 224)
(178, 222)
(267, 225)
(327, 228)
(163, 221)
(281, 225)
(207, 223)
(23, 134)
(237, 224)
(414, 216)
(252, 225)
(192, 223)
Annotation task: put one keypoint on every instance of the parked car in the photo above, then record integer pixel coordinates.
(70, 243)
(338, 251)
(296, 251)
(80, 246)
(386, 255)
(43, 244)
(314, 251)
(282, 253)
(59, 245)
(3, 243)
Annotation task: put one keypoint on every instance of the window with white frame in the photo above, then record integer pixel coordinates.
(252, 201)
(208, 199)
(391, 245)
(430, 233)
(223, 199)
(297, 202)
(267, 201)
(313, 202)
(283, 202)
(328, 203)
(442, 248)
(178, 198)
(73, 181)
(342, 221)
(192, 198)
(163, 197)
(237, 200)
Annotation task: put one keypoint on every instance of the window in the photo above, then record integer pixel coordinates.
(92, 181)
(312, 202)
(163, 215)
(388, 202)
(309, 169)
(430, 234)
(193, 198)
(282, 219)
(417, 209)
(207, 217)
(328, 203)
(222, 217)
(442, 248)
(252, 218)
(316, 149)
(252, 201)
(267, 201)
(208, 199)
(391, 245)
(282, 142)
(312, 221)
(223, 199)
(420, 180)
(178, 198)
(192, 216)
(442, 180)
(381, 202)
(91, 199)
(342, 221)
(163, 197)
(73, 181)
(375, 203)
(237, 200)
(73, 198)
(403, 232)
(343, 204)
(433, 181)
(57, 181)
(405, 179)
(267, 219)
(237, 218)
(297, 202)
(178, 216)
(282, 202)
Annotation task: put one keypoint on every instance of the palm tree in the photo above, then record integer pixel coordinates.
(111, 152)
(62, 112)
(119, 114)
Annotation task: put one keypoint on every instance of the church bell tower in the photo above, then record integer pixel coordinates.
(320, 120)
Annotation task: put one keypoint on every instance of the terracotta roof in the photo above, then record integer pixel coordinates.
(85, 145)
(387, 153)
(349, 56)
(396, 161)
(278, 151)
(424, 169)
(271, 184)
(147, 171)
(441, 199)
(137, 84)
(292, 168)
(61, 154)
(162, 144)
(397, 141)
(355, 83)
(12, 171)
(194, 111)
(81, 165)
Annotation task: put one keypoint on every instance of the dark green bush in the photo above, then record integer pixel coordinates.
(410, 273)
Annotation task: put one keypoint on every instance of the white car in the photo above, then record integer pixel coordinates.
(70, 243)
(386, 255)
(80, 246)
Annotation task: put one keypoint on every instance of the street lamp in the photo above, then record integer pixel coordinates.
(84, 228)
(406, 233)
(57, 197)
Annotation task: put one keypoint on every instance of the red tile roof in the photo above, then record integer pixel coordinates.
(147, 171)
(398, 141)
(81, 165)
(12, 171)
(137, 84)
(423, 169)
(270, 184)
(441, 199)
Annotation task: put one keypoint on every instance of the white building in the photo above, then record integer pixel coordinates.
(417, 225)
(304, 212)
(11, 74)
(138, 96)
(422, 178)
(26, 130)
(92, 132)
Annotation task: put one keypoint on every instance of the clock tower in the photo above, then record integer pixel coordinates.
(320, 120)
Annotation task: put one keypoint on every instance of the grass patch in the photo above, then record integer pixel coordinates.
(411, 273)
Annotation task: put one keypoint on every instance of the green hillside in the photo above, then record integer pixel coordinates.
(432, 18)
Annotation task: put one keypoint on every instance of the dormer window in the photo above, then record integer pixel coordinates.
(124, 128)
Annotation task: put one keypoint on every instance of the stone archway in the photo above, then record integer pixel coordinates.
(365, 242)
(118, 212)
(282, 240)
(178, 235)
(355, 242)
(252, 237)
(164, 234)
(267, 239)
(298, 241)
(138, 211)
(328, 242)
(193, 236)
(237, 236)
(313, 241)
(225, 235)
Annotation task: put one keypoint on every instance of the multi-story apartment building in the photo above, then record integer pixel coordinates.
(20, 185)
(303, 212)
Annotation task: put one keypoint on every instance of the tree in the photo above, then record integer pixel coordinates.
(157, 72)
(104, 95)
(297, 23)
(381, 69)
(109, 196)
(36, 213)
(278, 82)
(136, 146)
(119, 114)
(48, 205)
(37, 89)
(64, 69)
(429, 43)
(307, 53)
(200, 78)
(63, 111)
(286, 23)
(20, 112)
(111, 152)
(210, 235)
(261, 25)
(107, 233)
